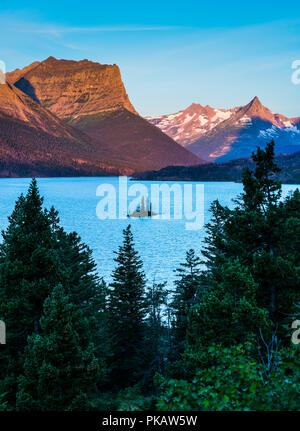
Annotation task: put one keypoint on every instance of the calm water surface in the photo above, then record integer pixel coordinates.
(161, 243)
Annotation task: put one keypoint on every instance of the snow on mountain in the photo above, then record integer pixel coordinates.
(224, 134)
(190, 124)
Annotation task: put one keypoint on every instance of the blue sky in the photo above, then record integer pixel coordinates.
(171, 53)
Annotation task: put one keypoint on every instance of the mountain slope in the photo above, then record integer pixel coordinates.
(36, 142)
(221, 135)
(92, 97)
(14, 103)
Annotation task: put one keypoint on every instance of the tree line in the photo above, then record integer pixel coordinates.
(220, 340)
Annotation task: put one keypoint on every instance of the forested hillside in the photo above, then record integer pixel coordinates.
(229, 171)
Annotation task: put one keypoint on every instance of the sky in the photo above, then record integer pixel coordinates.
(170, 53)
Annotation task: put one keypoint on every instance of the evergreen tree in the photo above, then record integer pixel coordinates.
(187, 288)
(251, 284)
(214, 239)
(100, 334)
(58, 372)
(263, 232)
(227, 314)
(127, 312)
(83, 284)
(157, 337)
(35, 256)
(29, 269)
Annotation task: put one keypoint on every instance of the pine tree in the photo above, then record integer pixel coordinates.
(100, 334)
(226, 314)
(29, 269)
(87, 291)
(261, 227)
(83, 284)
(58, 372)
(213, 250)
(252, 275)
(127, 312)
(262, 231)
(187, 288)
(261, 190)
(35, 256)
(157, 337)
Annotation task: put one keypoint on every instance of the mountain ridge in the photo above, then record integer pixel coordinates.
(226, 134)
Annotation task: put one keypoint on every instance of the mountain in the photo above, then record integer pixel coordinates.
(228, 171)
(190, 124)
(72, 89)
(35, 142)
(92, 98)
(221, 135)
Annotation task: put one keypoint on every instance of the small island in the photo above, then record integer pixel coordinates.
(144, 210)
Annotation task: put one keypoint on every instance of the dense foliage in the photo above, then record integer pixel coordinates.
(238, 353)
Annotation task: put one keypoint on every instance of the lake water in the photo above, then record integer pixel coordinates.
(161, 243)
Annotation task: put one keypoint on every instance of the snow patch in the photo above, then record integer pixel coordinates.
(188, 118)
(269, 133)
(245, 120)
(221, 115)
(292, 129)
(202, 120)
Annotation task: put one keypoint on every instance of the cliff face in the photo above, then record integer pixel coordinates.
(72, 90)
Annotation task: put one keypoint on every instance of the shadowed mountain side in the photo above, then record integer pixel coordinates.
(134, 140)
(229, 141)
(14, 76)
(26, 151)
(17, 105)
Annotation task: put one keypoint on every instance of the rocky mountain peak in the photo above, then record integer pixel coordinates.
(73, 89)
(256, 109)
(256, 102)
